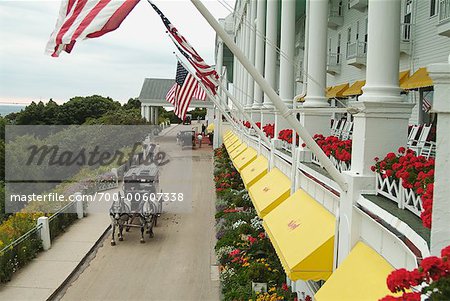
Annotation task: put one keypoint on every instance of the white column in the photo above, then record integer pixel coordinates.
(287, 47)
(270, 69)
(251, 82)
(381, 126)
(218, 120)
(142, 110)
(383, 53)
(259, 48)
(287, 51)
(248, 78)
(440, 230)
(241, 70)
(317, 48)
(156, 112)
(147, 113)
(381, 90)
(245, 45)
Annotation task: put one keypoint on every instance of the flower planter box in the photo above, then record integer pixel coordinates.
(340, 165)
(393, 189)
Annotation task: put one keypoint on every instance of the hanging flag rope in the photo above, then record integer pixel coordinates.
(207, 74)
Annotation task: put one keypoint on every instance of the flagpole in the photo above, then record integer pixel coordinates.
(276, 100)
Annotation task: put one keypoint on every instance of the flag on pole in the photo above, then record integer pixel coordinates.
(205, 72)
(181, 93)
(82, 19)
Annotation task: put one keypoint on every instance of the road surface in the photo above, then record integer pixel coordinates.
(178, 263)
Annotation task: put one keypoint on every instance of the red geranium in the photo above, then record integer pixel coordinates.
(416, 172)
(433, 273)
(269, 130)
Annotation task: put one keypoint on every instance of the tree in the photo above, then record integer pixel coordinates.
(133, 103)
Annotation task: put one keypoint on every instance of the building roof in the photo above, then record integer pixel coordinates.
(155, 88)
(154, 92)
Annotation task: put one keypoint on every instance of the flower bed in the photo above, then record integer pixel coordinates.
(433, 275)
(247, 259)
(409, 180)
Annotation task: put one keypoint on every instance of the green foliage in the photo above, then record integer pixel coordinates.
(120, 116)
(243, 249)
(164, 114)
(133, 103)
(76, 111)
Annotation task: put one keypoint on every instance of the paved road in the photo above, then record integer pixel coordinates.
(177, 263)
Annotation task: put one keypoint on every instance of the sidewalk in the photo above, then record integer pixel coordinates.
(44, 274)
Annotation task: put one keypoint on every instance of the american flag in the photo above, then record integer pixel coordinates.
(205, 72)
(426, 101)
(181, 93)
(82, 19)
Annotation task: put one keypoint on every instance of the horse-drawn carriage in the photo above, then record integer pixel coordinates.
(186, 138)
(141, 202)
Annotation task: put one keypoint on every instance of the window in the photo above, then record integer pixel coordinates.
(407, 20)
(357, 30)
(366, 35)
(338, 48)
(349, 35)
(433, 8)
(340, 10)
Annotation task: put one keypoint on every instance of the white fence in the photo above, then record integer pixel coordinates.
(394, 190)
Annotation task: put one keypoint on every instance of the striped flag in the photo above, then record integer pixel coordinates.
(181, 93)
(205, 72)
(199, 93)
(426, 101)
(82, 19)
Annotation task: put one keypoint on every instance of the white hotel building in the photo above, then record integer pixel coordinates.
(378, 63)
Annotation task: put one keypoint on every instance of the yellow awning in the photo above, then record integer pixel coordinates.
(361, 276)
(337, 91)
(234, 146)
(270, 191)
(210, 128)
(254, 171)
(231, 141)
(302, 233)
(403, 76)
(354, 89)
(419, 79)
(245, 158)
(227, 133)
(237, 151)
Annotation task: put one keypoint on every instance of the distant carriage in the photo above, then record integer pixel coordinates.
(187, 139)
(140, 205)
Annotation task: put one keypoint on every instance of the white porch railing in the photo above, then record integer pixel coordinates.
(356, 49)
(444, 11)
(340, 165)
(393, 189)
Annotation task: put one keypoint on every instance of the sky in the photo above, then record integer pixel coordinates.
(113, 65)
